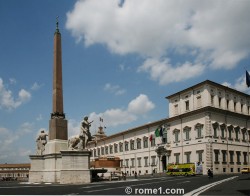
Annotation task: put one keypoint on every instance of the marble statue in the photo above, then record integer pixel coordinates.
(79, 142)
(41, 141)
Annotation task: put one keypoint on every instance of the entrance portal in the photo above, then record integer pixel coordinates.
(164, 162)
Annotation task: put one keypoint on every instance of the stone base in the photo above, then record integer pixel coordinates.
(66, 167)
(55, 146)
(75, 176)
(75, 167)
(47, 167)
(52, 167)
(36, 169)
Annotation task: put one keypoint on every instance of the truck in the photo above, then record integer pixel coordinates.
(185, 169)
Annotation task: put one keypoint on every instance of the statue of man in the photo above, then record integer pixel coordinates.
(41, 141)
(85, 132)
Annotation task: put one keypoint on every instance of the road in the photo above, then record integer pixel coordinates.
(165, 185)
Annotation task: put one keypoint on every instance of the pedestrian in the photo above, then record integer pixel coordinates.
(135, 175)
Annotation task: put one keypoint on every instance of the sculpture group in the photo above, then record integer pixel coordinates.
(77, 142)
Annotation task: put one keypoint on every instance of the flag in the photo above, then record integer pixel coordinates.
(247, 79)
(151, 138)
(161, 132)
(157, 132)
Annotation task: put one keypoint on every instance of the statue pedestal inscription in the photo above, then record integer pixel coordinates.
(75, 167)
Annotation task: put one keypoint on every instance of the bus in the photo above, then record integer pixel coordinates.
(185, 169)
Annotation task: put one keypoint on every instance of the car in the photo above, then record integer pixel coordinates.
(245, 170)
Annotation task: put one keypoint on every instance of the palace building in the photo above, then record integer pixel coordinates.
(208, 123)
(18, 171)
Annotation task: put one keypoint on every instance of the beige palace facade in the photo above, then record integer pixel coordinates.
(208, 123)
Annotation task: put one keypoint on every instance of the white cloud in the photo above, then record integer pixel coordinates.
(166, 73)
(8, 101)
(36, 86)
(25, 128)
(12, 81)
(239, 84)
(214, 33)
(139, 106)
(74, 127)
(8, 138)
(24, 96)
(40, 117)
(115, 89)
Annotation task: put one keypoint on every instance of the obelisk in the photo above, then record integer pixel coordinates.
(58, 128)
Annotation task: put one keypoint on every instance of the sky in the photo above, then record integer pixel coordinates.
(120, 60)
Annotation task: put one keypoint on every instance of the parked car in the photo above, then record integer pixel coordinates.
(245, 170)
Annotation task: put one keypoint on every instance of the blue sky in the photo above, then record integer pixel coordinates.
(120, 60)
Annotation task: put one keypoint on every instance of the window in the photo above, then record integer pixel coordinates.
(237, 132)
(111, 149)
(132, 162)
(245, 158)
(165, 137)
(98, 151)
(215, 127)
(219, 101)
(216, 156)
(139, 161)
(106, 150)
(243, 135)
(231, 157)
(187, 105)
(102, 150)
(224, 156)
(188, 157)
(153, 160)
(126, 146)
(199, 128)
(186, 131)
(176, 135)
(138, 143)
(227, 104)
(121, 163)
(145, 142)
(234, 106)
(145, 161)
(177, 158)
(222, 129)
(199, 154)
(230, 130)
(132, 144)
(153, 141)
(212, 100)
(116, 148)
(121, 147)
(95, 153)
(176, 109)
(198, 101)
(127, 162)
(241, 107)
(238, 157)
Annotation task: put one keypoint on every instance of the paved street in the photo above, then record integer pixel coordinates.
(232, 185)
